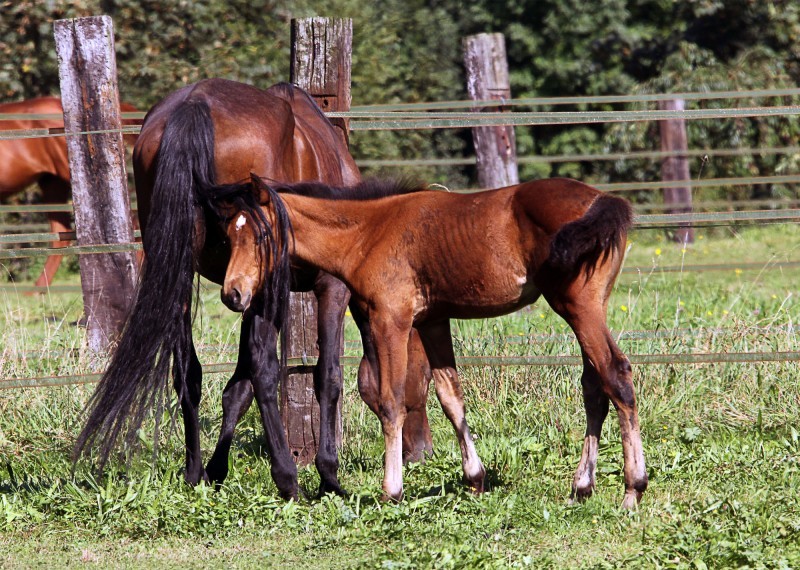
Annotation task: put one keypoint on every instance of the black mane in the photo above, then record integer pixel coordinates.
(371, 189)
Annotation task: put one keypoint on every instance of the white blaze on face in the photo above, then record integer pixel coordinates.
(240, 222)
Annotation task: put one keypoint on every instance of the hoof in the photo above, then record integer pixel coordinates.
(417, 451)
(214, 479)
(417, 455)
(331, 487)
(289, 494)
(631, 500)
(392, 498)
(477, 482)
(215, 476)
(580, 494)
(478, 487)
(193, 479)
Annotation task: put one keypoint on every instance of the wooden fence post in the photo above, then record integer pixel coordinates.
(487, 79)
(88, 74)
(321, 55)
(676, 167)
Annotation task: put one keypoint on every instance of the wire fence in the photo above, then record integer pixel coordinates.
(597, 157)
(307, 363)
(447, 115)
(405, 120)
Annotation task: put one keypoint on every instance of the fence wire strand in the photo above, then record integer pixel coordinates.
(462, 362)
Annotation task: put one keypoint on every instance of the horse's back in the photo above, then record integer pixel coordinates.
(550, 203)
(24, 161)
(331, 156)
(277, 133)
(38, 106)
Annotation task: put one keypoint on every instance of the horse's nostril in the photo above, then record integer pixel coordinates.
(233, 299)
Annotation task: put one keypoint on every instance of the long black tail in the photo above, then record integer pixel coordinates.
(159, 324)
(580, 244)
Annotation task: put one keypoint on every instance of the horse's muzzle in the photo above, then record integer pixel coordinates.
(235, 300)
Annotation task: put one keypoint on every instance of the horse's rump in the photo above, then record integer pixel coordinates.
(601, 231)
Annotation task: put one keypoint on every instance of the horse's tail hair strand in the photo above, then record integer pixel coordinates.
(158, 328)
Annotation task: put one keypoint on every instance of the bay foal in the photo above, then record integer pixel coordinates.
(417, 260)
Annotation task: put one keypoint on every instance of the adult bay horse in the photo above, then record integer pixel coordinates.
(42, 161)
(420, 259)
(218, 131)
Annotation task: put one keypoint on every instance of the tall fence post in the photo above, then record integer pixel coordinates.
(487, 79)
(675, 167)
(88, 75)
(321, 55)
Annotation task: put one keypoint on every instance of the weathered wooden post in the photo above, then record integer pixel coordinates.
(487, 79)
(88, 74)
(321, 55)
(675, 167)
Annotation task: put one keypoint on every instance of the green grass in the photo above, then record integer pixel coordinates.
(721, 443)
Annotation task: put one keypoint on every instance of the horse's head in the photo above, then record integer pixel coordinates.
(258, 231)
(247, 266)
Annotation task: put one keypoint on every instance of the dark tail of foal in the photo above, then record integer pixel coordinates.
(578, 245)
(158, 329)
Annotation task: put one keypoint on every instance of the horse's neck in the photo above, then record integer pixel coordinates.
(327, 232)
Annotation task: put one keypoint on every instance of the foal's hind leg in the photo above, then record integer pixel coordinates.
(607, 376)
(595, 402)
(332, 297)
(439, 347)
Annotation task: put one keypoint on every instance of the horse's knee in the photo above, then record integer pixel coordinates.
(618, 383)
(235, 393)
(327, 382)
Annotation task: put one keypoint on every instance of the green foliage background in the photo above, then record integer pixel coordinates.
(410, 50)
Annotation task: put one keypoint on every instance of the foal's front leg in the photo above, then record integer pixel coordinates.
(262, 342)
(390, 340)
(417, 441)
(236, 399)
(332, 297)
(187, 377)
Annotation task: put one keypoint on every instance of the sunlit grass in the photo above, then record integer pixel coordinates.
(721, 442)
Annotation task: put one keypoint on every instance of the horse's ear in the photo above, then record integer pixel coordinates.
(260, 189)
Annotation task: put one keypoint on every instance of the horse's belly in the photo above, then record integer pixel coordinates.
(480, 304)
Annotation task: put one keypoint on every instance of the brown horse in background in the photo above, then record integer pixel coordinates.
(42, 161)
(213, 132)
(417, 260)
